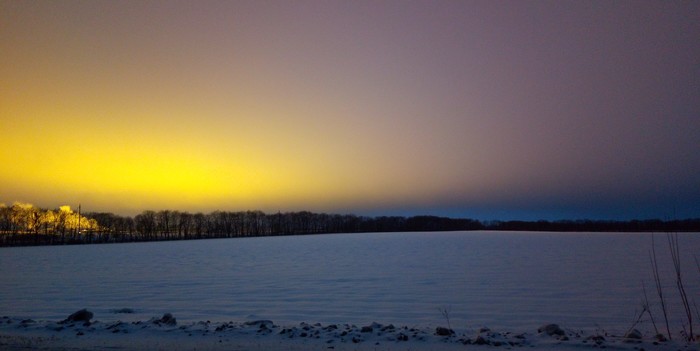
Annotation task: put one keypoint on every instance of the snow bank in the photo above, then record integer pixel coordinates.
(166, 334)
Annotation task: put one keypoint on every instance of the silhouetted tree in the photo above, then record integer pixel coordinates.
(184, 222)
(146, 224)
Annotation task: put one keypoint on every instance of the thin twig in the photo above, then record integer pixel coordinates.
(446, 314)
(675, 256)
(637, 320)
(646, 306)
(659, 288)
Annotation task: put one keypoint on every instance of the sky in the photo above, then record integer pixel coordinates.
(478, 109)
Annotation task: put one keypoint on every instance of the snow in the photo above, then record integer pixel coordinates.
(266, 335)
(513, 283)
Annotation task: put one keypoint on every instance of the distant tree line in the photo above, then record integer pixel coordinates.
(24, 224)
(650, 225)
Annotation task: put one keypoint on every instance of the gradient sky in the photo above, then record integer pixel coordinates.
(481, 109)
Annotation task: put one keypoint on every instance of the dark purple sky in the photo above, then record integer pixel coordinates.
(485, 109)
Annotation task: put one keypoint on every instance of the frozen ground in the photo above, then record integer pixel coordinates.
(510, 283)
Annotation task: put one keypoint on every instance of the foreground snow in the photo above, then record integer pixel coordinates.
(506, 281)
(513, 283)
(166, 334)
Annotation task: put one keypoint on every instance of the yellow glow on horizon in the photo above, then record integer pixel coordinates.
(166, 163)
(71, 136)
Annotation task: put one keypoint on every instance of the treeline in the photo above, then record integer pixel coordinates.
(24, 224)
(651, 225)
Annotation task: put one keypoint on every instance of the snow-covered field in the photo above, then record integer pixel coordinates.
(509, 283)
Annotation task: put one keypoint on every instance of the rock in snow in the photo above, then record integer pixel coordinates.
(480, 340)
(442, 331)
(80, 316)
(551, 330)
(261, 322)
(167, 319)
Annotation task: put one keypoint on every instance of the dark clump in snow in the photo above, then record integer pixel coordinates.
(551, 330)
(442, 331)
(660, 338)
(167, 319)
(633, 334)
(596, 339)
(26, 322)
(123, 310)
(79, 316)
(480, 340)
(261, 322)
(485, 336)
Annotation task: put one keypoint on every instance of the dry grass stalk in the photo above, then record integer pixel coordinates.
(659, 289)
(645, 307)
(675, 257)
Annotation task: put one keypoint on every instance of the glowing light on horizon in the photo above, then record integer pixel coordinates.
(350, 106)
